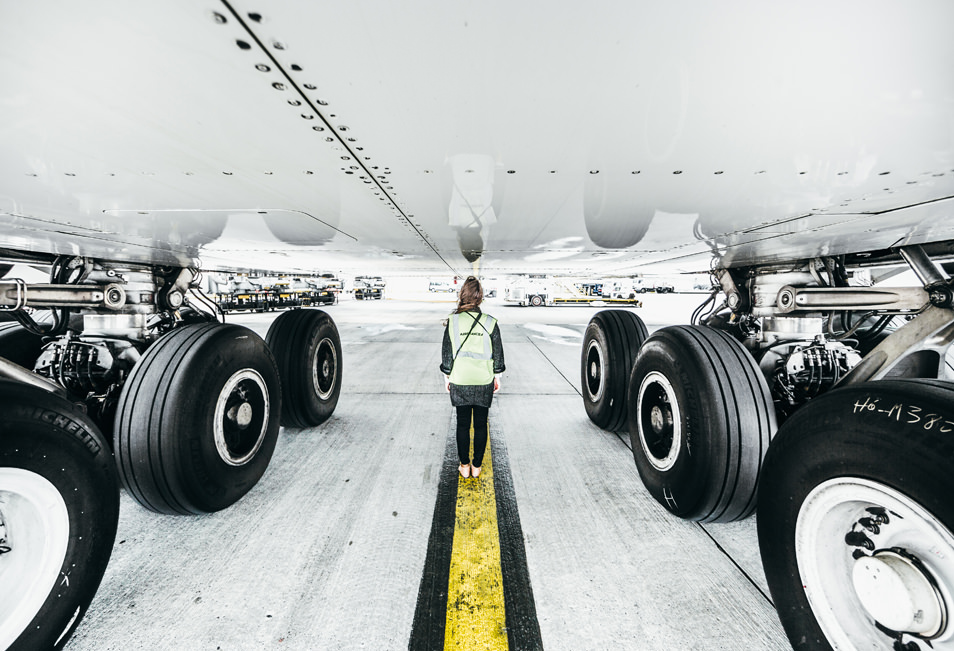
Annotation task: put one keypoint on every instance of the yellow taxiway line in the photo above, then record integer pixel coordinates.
(476, 618)
(475, 589)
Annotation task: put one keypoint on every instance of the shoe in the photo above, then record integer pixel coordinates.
(464, 470)
(474, 470)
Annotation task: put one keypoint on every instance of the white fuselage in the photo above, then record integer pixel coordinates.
(509, 137)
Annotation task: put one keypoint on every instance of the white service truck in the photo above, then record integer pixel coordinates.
(537, 291)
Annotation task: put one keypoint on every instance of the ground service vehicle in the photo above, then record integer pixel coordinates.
(788, 148)
(321, 290)
(564, 291)
(440, 286)
(265, 294)
(533, 291)
(328, 287)
(368, 288)
(618, 288)
(643, 285)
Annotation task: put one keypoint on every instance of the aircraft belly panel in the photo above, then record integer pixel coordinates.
(134, 137)
(442, 136)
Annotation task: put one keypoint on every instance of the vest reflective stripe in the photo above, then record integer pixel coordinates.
(474, 364)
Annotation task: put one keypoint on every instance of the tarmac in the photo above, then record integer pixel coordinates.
(328, 551)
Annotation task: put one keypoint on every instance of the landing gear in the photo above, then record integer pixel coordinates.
(855, 520)
(59, 507)
(198, 419)
(192, 406)
(610, 344)
(701, 418)
(308, 352)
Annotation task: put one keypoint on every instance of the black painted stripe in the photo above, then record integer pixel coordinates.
(523, 629)
(430, 616)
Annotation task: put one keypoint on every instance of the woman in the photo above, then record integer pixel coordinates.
(471, 360)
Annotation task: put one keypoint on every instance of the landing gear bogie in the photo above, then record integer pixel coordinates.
(190, 406)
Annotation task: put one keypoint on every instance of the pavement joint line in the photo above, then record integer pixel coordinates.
(573, 386)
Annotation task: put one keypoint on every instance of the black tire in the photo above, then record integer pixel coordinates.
(835, 462)
(198, 419)
(51, 454)
(701, 418)
(19, 345)
(610, 344)
(307, 350)
(536, 301)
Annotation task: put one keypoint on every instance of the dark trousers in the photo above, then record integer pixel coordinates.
(464, 414)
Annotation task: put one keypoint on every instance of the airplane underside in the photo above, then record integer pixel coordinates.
(802, 155)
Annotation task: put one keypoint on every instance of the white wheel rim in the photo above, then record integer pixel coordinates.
(233, 416)
(595, 370)
(657, 411)
(836, 584)
(325, 368)
(36, 524)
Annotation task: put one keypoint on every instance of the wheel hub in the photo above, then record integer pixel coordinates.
(323, 372)
(875, 565)
(241, 415)
(240, 420)
(36, 533)
(899, 593)
(594, 376)
(658, 420)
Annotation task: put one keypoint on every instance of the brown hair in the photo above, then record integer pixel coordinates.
(470, 295)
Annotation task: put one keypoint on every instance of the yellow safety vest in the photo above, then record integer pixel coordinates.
(474, 363)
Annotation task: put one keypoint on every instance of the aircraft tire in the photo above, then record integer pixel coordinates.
(307, 349)
(840, 463)
(59, 508)
(198, 419)
(19, 345)
(610, 344)
(701, 418)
